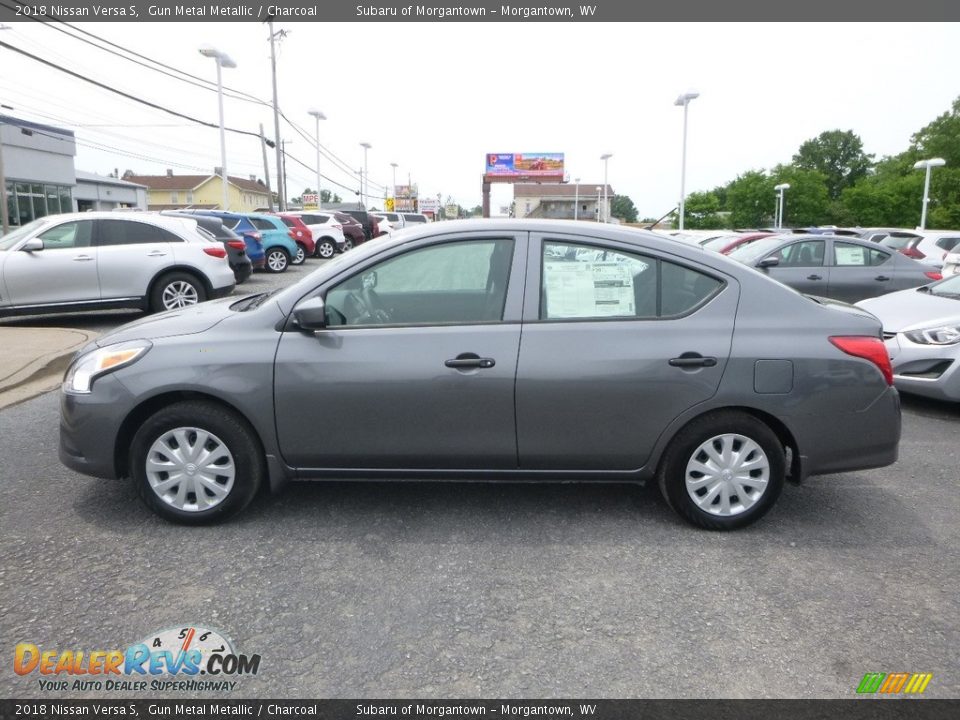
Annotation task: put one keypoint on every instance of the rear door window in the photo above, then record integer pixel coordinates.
(132, 232)
(851, 255)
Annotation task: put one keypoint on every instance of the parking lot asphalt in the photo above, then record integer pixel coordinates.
(497, 590)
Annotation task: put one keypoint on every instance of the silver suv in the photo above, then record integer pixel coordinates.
(90, 261)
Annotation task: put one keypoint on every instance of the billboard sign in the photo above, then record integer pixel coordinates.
(430, 205)
(507, 165)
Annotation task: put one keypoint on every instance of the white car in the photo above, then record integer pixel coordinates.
(98, 260)
(395, 219)
(928, 246)
(951, 263)
(327, 232)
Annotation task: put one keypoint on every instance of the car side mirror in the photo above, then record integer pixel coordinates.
(311, 314)
(32, 245)
(768, 262)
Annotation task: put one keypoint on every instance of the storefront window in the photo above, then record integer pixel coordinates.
(28, 201)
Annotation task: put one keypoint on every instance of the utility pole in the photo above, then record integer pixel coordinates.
(283, 154)
(4, 213)
(281, 184)
(266, 167)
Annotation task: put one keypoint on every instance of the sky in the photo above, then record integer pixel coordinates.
(435, 98)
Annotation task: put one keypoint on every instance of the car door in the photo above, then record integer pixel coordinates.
(65, 271)
(616, 344)
(130, 253)
(801, 266)
(416, 366)
(859, 272)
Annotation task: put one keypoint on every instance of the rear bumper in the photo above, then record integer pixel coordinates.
(222, 291)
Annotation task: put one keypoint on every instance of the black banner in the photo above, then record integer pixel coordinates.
(861, 709)
(479, 11)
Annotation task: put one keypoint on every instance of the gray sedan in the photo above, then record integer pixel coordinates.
(491, 350)
(842, 268)
(922, 332)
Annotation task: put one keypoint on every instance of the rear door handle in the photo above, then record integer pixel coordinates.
(814, 277)
(82, 258)
(881, 278)
(692, 360)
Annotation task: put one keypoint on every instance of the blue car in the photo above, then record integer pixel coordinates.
(245, 229)
(277, 240)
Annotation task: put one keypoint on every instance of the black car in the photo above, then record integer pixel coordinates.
(365, 220)
(234, 244)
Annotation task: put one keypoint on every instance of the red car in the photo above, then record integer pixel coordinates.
(352, 229)
(726, 244)
(301, 235)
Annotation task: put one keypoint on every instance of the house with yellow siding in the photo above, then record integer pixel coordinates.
(168, 192)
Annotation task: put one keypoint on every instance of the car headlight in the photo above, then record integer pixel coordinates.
(943, 335)
(87, 368)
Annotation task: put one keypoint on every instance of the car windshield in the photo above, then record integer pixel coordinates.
(947, 288)
(17, 234)
(897, 242)
(751, 252)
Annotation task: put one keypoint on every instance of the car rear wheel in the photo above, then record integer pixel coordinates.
(196, 462)
(301, 255)
(723, 471)
(347, 244)
(277, 260)
(176, 290)
(326, 249)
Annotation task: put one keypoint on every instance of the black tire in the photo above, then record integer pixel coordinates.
(174, 285)
(347, 244)
(723, 427)
(278, 260)
(232, 432)
(326, 249)
(301, 257)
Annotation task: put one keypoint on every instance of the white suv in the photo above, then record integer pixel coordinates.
(327, 232)
(97, 260)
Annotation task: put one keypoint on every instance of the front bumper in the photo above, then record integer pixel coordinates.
(90, 425)
(929, 370)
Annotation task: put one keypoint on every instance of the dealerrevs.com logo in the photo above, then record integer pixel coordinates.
(187, 658)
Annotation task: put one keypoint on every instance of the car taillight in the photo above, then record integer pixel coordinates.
(912, 252)
(254, 235)
(217, 252)
(933, 275)
(868, 348)
(338, 227)
(237, 244)
(293, 234)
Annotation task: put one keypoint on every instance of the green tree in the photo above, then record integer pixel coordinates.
(750, 200)
(622, 207)
(702, 211)
(806, 202)
(838, 155)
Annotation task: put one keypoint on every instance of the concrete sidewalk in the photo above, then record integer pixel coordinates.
(33, 360)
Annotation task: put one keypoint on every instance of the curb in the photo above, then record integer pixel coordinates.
(35, 373)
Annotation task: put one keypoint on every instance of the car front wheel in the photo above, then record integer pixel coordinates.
(277, 260)
(347, 244)
(723, 471)
(196, 462)
(176, 290)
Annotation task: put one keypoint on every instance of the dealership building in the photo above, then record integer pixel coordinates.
(40, 178)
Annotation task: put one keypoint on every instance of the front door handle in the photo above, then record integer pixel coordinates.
(814, 277)
(156, 253)
(82, 258)
(881, 278)
(692, 360)
(470, 360)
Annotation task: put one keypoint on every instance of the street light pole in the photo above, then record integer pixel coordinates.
(598, 203)
(781, 188)
(606, 206)
(281, 185)
(365, 183)
(393, 190)
(684, 100)
(928, 164)
(223, 61)
(576, 197)
(318, 116)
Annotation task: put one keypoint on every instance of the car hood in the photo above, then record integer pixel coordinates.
(185, 321)
(910, 309)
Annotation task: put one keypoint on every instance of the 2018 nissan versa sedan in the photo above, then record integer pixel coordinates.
(491, 350)
(98, 260)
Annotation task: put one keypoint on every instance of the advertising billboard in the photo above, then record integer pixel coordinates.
(507, 165)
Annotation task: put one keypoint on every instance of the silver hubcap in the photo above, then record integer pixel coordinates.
(179, 294)
(301, 255)
(348, 244)
(727, 475)
(190, 469)
(277, 261)
(326, 250)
